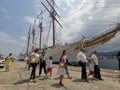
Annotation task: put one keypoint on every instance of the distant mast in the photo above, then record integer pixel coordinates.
(41, 28)
(33, 38)
(53, 15)
(28, 42)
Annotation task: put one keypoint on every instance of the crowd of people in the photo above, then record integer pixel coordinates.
(92, 64)
(40, 59)
(45, 63)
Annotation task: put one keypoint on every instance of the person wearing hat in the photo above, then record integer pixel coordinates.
(34, 62)
(82, 59)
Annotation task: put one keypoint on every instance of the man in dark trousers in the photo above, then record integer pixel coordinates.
(81, 58)
(118, 57)
(94, 58)
(43, 59)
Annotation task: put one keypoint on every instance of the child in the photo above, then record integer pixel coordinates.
(61, 70)
(91, 68)
(49, 66)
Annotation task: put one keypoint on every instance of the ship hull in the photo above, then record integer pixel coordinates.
(56, 52)
(90, 44)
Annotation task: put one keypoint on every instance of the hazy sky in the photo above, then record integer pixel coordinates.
(79, 17)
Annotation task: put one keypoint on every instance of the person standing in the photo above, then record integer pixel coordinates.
(34, 62)
(49, 66)
(61, 70)
(42, 64)
(94, 59)
(28, 62)
(118, 57)
(82, 59)
(27, 58)
(8, 61)
(91, 68)
(64, 55)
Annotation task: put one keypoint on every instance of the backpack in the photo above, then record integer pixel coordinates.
(33, 59)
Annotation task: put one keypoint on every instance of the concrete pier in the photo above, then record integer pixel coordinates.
(18, 79)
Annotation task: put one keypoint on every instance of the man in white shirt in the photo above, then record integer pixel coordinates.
(94, 58)
(82, 59)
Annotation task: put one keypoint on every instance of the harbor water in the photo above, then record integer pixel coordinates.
(109, 64)
(104, 64)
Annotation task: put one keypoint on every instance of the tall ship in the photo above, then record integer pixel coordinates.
(89, 43)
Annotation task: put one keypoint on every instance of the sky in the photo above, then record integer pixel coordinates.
(78, 17)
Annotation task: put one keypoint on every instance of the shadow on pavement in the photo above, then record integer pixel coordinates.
(78, 80)
(22, 82)
(56, 85)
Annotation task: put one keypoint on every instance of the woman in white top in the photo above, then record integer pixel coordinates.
(64, 55)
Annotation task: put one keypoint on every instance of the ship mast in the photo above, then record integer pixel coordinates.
(53, 14)
(41, 28)
(28, 42)
(53, 24)
(33, 38)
